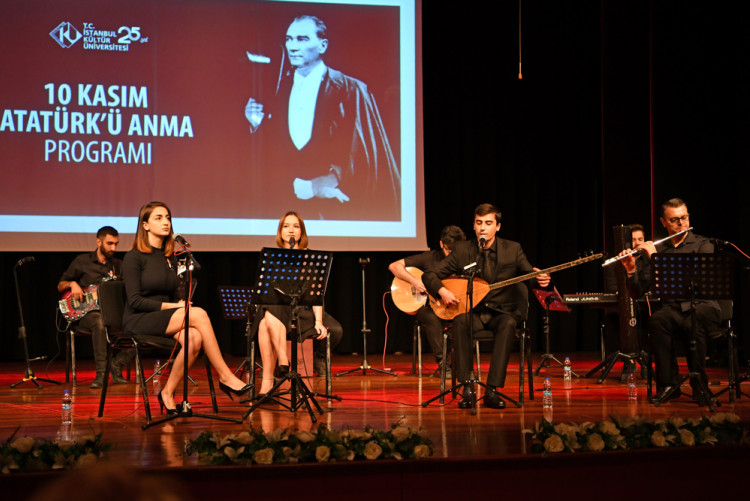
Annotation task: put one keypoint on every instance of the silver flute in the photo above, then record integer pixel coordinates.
(636, 251)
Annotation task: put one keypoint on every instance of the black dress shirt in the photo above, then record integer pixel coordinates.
(86, 270)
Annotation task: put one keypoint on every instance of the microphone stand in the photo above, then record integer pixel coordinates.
(29, 376)
(184, 409)
(470, 305)
(471, 271)
(365, 366)
(470, 327)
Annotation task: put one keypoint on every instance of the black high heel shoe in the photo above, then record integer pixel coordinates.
(281, 371)
(226, 389)
(170, 412)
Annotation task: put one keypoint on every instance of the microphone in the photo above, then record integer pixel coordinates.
(715, 241)
(291, 242)
(482, 241)
(25, 260)
(181, 240)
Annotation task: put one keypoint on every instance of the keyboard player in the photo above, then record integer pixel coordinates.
(612, 317)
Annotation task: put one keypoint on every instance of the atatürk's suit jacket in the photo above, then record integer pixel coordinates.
(348, 140)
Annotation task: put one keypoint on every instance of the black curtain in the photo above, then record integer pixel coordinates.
(612, 91)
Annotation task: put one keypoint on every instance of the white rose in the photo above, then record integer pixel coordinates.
(421, 451)
(373, 450)
(658, 439)
(322, 453)
(23, 444)
(687, 438)
(595, 442)
(554, 444)
(400, 433)
(304, 436)
(263, 456)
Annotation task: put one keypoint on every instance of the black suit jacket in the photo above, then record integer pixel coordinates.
(348, 138)
(511, 262)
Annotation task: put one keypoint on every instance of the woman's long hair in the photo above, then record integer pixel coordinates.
(303, 241)
(141, 236)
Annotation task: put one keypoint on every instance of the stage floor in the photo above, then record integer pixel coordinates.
(373, 399)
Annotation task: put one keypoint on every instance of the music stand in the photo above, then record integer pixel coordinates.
(294, 278)
(550, 301)
(235, 305)
(733, 385)
(689, 277)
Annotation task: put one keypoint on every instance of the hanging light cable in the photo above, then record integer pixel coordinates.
(520, 73)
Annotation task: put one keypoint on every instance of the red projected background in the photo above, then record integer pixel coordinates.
(109, 105)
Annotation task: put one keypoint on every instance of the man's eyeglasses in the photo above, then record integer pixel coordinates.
(675, 220)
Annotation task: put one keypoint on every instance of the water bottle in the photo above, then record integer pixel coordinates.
(547, 394)
(567, 371)
(632, 389)
(155, 379)
(67, 408)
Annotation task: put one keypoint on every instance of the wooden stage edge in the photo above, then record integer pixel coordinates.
(482, 454)
(694, 473)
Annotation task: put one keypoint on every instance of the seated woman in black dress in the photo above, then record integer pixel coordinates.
(274, 321)
(153, 308)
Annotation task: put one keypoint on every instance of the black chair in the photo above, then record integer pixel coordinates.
(416, 349)
(72, 331)
(523, 335)
(417, 367)
(112, 303)
(328, 373)
(329, 378)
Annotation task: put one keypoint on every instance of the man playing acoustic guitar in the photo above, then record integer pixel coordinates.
(432, 325)
(499, 311)
(90, 269)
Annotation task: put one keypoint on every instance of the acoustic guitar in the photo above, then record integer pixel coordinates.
(480, 288)
(407, 298)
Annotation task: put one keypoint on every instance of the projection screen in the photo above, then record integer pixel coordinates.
(107, 105)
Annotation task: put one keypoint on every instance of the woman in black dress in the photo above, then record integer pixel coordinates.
(274, 321)
(153, 308)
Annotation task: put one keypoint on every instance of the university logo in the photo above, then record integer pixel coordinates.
(65, 34)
